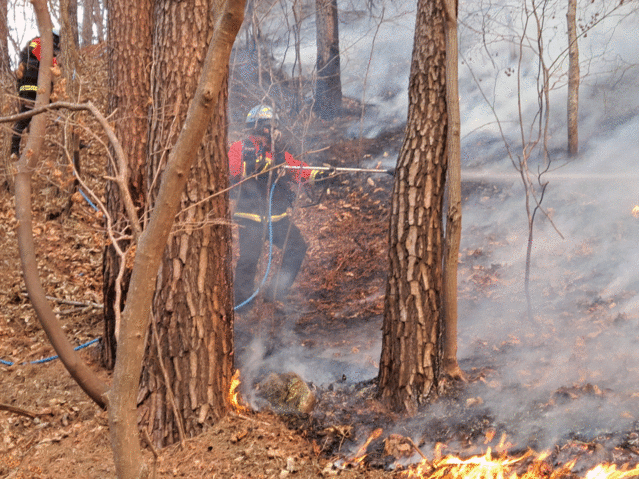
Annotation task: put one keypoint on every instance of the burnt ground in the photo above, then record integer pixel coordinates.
(328, 332)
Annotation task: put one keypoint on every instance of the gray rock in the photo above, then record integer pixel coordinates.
(287, 393)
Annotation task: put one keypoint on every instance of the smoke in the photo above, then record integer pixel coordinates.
(266, 347)
(572, 371)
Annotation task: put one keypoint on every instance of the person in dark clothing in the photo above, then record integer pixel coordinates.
(27, 75)
(266, 192)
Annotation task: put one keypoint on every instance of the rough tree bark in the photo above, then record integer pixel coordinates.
(450, 366)
(123, 396)
(129, 52)
(69, 23)
(189, 354)
(573, 79)
(5, 63)
(87, 21)
(410, 364)
(328, 88)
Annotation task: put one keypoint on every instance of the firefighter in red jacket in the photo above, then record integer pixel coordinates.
(27, 76)
(264, 187)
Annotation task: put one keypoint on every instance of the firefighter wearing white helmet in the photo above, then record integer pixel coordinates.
(250, 161)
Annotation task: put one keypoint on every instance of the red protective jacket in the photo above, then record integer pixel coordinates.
(238, 164)
(252, 157)
(30, 56)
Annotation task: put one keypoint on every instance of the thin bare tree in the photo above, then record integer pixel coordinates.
(573, 79)
(5, 64)
(91, 17)
(88, 381)
(69, 24)
(450, 365)
(328, 87)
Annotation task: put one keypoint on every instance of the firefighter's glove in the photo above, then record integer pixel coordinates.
(323, 175)
(19, 73)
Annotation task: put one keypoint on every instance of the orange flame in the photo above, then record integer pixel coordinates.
(609, 471)
(635, 211)
(484, 467)
(234, 395)
(361, 452)
(487, 467)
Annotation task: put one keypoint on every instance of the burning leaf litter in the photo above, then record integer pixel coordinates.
(527, 466)
(234, 394)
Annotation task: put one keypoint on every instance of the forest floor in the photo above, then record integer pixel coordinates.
(51, 429)
(328, 332)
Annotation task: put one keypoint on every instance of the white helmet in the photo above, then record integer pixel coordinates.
(260, 113)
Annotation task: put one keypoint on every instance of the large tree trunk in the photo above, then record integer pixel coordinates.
(129, 50)
(450, 366)
(204, 377)
(328, 89)
(7, 88)
(87, 22)
(69, 40)
(189, 354)
(411, 348)
(573, 80)
(5, 64)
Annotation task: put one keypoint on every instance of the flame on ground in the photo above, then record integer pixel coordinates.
(635, 211)
(359, 457)
(234, 395)
(361, 452)
(526, 466)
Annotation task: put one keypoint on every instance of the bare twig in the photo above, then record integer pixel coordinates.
(156, 455)
(19, 411)
(417, 449)
(86, 304)
(149, 442)
(121, 178)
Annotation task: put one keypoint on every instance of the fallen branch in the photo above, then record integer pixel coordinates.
(84, 304)
(79, 309)
(18, 410)
(419, 451)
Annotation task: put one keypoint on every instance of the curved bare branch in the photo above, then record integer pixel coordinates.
(85, 377)
(121, 179)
